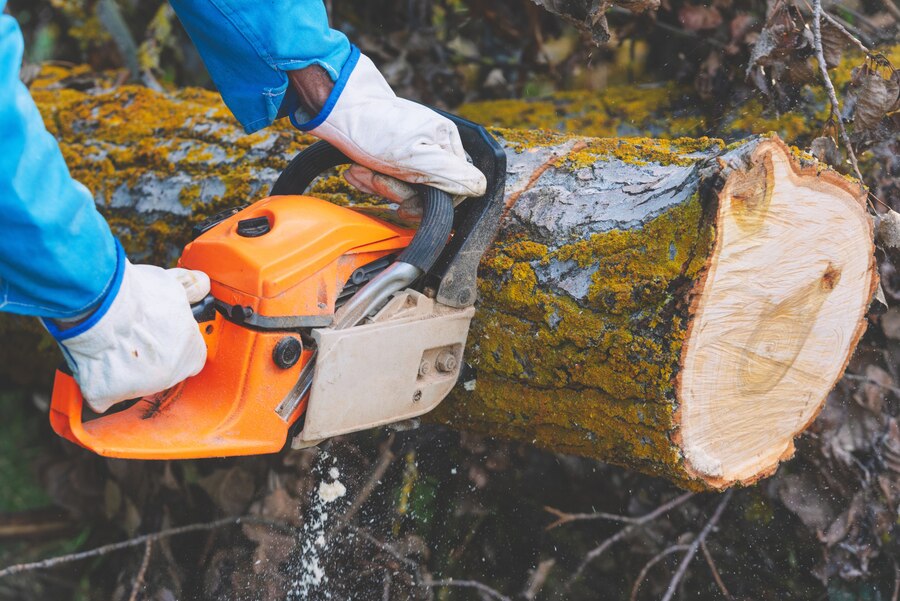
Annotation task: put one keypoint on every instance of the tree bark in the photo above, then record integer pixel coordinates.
(679, 307)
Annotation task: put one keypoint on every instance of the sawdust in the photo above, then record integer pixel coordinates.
(313, 547)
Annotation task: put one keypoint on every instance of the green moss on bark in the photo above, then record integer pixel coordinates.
(593, 376)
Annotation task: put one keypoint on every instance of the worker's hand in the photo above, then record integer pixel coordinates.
(386, 134)
(145, 342)
(385, 186)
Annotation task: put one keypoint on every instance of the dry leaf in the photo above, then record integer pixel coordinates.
(230, 489)
(890, 323)
(875, 97)
(590, 15)
(825, 149)
(833, 44)
(887, 229)
(873, 391)
(799, 493)
(698, 18)
(890, 446)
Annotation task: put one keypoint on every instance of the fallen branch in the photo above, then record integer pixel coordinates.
(649, 565)
(538, 578)
(840, 27)
(386, 547)
(715, 571)
(36, 524)
(134, 542)
(565, 517)
(644, 519)
(466, 584)
(829, 87)
(692, 550)
(384, 462)
(142, 571)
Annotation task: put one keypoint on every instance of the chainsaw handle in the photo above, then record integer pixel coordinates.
(437, 219)
(433, 232)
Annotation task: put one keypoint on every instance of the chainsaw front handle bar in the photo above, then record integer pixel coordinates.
(437, 219)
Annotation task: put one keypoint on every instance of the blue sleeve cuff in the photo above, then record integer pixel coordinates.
(248, 46)
(107, 300)
(339, 86)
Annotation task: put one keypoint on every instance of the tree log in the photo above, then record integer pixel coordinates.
(679, 307)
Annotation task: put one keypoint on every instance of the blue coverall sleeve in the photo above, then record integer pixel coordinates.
(247, 45)
(58, 257)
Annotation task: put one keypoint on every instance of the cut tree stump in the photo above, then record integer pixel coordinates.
(679, 307)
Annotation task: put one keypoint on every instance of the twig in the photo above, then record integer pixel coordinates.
(386, 547)
(867, 380)
(384, 462)
(44, 522)
(537, 579)
(692, 550)
(466, 584)
(715, 571)
(386, 590)
(863, 19)
(840, 27)
(133, 542)
(606, 544)
(892, 8)
(649, 565)
(142, 571)
(829, 87)
(565, 517)
(896, 594)
(110, 16)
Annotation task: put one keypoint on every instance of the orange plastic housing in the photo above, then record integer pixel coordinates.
(296, 269)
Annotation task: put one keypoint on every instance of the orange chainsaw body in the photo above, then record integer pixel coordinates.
(268, 287)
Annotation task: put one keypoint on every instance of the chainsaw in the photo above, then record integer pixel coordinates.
(321, 320)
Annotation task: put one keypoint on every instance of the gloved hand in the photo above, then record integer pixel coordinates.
(146, 340)
(385, 186)
(387, 135)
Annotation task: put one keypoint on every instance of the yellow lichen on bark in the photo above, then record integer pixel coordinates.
(666, 110)
(595, 376)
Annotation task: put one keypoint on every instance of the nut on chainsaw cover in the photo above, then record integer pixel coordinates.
(321, 320)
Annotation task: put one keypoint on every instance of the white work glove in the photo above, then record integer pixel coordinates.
(146, 342)
(385, 186)
(396, 137)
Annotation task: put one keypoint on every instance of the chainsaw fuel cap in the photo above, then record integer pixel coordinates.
(287, 352)
(253, 227)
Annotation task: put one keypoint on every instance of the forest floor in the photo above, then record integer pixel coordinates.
(431, 513)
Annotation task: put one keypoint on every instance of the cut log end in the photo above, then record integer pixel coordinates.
(776, 317)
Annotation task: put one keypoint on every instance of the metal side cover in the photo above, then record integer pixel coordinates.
(400, 365)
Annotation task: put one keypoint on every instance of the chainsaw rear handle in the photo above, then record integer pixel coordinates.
(437, 218)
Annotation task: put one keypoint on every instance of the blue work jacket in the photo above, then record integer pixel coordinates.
(58, 258)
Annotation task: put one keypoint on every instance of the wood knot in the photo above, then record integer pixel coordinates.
(831, 277)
